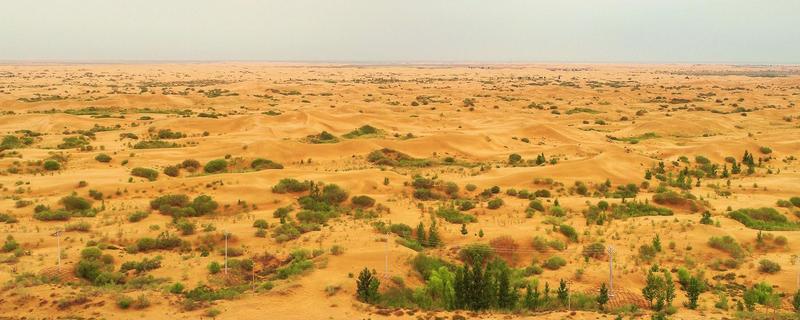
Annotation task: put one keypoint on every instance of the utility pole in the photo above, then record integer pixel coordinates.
(226, 252)
(57, 234)
(610, 271)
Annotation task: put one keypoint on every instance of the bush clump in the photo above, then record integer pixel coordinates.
(289, 185)
(147, 173)
(363, 201)
(215, 166)
(262, 164)
(51, 165)
(767, 219)
(452, 215)
(103, 158)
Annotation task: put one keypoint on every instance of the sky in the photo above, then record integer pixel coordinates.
(604, 31)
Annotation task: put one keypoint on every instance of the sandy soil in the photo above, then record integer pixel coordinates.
(568, 112)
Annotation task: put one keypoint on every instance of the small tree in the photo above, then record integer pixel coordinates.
(796, 302)
(464, 229)
(602, 298)
(367, 286)
(693, 290)
(657, 243)
(563, 292)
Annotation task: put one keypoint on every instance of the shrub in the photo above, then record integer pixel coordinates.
(729, 245)
(75, 203)
(289, 185)
(542, 193)
(363, 201)
(452, 215)
(554, 263)
(215, 166)
(47, 215)
(569, 232)
(82, 226)
(190, 164)
(261, 164)
(147, 173)
(322, 137)
(768, 266)
(103, 158)
(595, 250)
(471, 187)
(536, 205)
(138, 216)
(154, 144)
(767, 219)
(97, 195)
(333, 194)
(185, 226)
(795, 201)
(494, 203)
(765, 150)
(261, 223)
(361, 131)
(172, 171)
(51, 165)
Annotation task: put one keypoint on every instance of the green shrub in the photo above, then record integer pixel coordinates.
(138, 216)
(215, 166)
(262, 164)
(51, 165)
(767, 219)
(47, 215)
(190, 164)
(729, 245)
(569, 232)
(554, 263)
(75, 203)
(768, 266)
(364, 130)
(154, 144)
(494, 203)
(261, 223)
(363, 201)
(172, 171)
(103, 158)
(289, 185)
(322, 137)
(450, 214)
(82, 226)
(147, 173)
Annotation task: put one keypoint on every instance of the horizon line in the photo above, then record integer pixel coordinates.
(386, 62)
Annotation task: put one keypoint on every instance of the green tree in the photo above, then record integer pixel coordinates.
(796, 302)
(651, 288)
(657, 243)
(441, 287)
(669, 288)
(563, 292)
(421, 233)
(693, 290)
(602, 297)
(433, 236)
(367, 286)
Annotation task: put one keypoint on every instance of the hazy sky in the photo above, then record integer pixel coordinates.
(725, 31)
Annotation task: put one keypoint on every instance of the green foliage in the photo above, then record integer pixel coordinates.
(363, 201)
(637, 209)
(154, 144)
(178, 205)
(262, 164)
(216, 166)
(147, 173)
(322, 137)
(767, 219)
(73, 142)
(569, 232)
(365, 130)
(450, 214)
(367, 286)
(51, 165)
(768, 266)
(494, 203)
(554, 263)
(729, 245)
(103, 158)
(172, 171)
(390, 157)
(289, 185)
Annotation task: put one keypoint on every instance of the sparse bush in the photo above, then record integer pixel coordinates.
(363, 201)
(51, 165)
(147, 173)
(172, 171)
(103, 158)
(554, 263)
(216, 166)
(291, 186)
(262, 164)
(768, 266)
